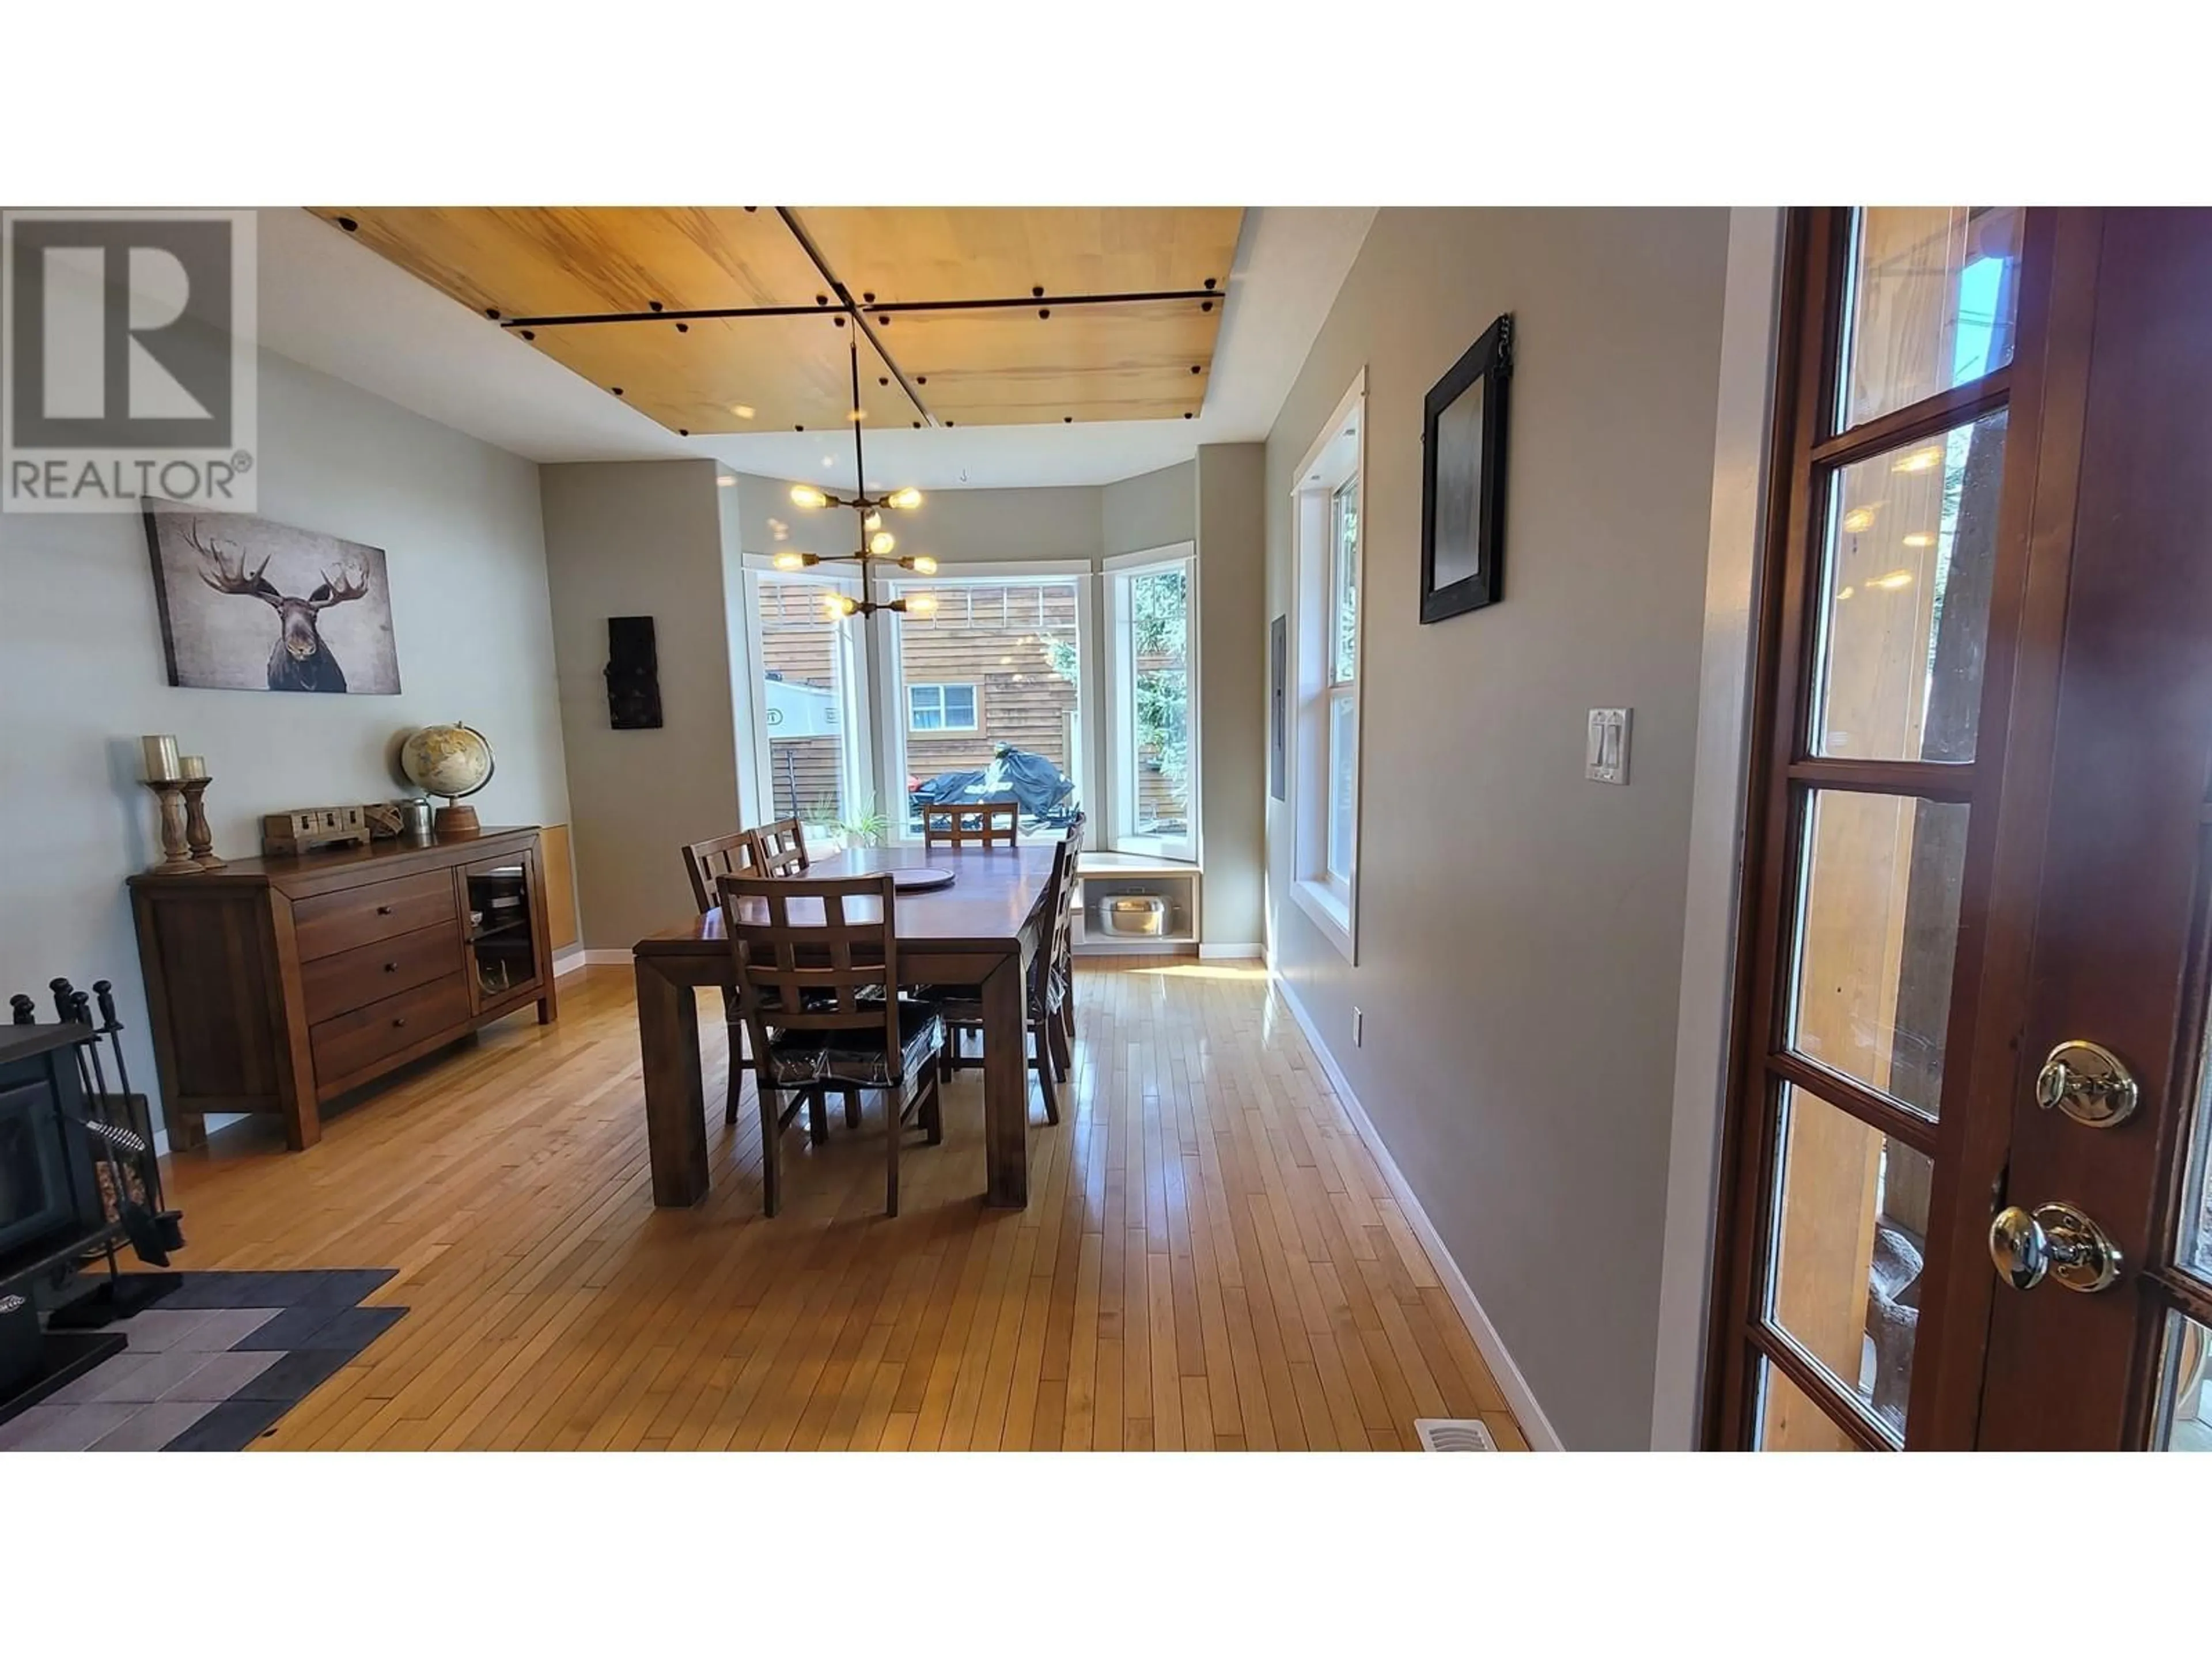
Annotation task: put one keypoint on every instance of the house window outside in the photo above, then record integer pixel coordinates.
(989, 690)
(940, 708)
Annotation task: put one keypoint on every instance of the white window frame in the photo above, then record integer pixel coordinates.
(1330, 900)
(1122, 785)
(975, 705)
(854, 768)
(885, 642)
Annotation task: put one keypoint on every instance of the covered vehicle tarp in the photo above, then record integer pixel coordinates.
(1041, 786)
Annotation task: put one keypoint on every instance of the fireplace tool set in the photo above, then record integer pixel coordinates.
(119, 1136)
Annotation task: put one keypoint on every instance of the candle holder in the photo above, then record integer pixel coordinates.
(196, 833)
(175, 847)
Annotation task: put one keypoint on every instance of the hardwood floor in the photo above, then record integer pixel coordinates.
(1210, 1259)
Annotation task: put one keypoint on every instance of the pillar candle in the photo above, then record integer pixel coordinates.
(162, 766)
(195, 766)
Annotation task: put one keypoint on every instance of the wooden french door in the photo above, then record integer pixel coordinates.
(1979, 831)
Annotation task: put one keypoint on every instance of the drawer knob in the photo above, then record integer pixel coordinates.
(384, 909)
(391, 967)
(398, 1021)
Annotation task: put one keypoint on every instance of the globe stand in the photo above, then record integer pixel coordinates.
(453, 821)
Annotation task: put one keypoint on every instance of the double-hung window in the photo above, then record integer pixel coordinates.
(940, 708)
(1325, 674)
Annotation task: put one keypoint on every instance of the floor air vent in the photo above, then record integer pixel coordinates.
(1454, 1434)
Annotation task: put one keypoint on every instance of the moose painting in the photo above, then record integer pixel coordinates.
(249, 606)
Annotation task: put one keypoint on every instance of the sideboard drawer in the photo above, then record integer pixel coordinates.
(353, 1042)
(338, 921)
(338, 984)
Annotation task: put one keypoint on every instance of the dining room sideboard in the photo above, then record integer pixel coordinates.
(274, 985)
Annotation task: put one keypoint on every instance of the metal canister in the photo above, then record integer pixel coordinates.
(415, 818)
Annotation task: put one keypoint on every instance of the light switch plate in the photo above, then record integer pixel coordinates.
(1605, 755)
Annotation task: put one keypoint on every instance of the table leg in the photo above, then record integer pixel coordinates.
(675, 1099)
(1005, 1086)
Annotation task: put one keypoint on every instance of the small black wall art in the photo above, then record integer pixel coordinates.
(1463, 479)
(633, 675)
(1278, 665)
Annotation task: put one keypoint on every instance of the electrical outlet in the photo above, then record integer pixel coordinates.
(1358, 1027)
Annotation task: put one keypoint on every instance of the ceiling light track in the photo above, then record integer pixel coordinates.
(860, 325)
(856, 308)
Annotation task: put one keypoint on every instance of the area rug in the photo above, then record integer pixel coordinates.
(213, 1366)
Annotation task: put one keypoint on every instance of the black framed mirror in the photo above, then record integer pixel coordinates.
(1463, 479)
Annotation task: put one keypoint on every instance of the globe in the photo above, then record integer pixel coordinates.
(452, 761)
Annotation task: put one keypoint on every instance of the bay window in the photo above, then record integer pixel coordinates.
(1151, 757)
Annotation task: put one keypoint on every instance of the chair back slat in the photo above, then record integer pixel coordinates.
(970, 824)
(805, 954)
(782, 848)
(1053, 949)
(706, 862)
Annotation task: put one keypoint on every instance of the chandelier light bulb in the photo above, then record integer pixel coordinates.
(807, 496)
(881, 544)
(873, 521)
(904, 499)
(922, 563)
(922, 605)
(790, 559)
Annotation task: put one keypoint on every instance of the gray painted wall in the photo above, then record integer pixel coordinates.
(958, 526)
(1232, 672)
(642, 538)
(81, 673)
(1520, 928)
(1153, 509)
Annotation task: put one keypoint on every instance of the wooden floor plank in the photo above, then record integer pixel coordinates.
(1210, 1259)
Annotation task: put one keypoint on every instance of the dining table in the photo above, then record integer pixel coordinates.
(983, 929)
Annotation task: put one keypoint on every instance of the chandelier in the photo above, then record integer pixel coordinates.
(877, 544)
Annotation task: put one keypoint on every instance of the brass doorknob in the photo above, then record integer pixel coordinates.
(2089, 1083)
(2054, 1240)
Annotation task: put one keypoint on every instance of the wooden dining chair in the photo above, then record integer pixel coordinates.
(1049, 993)
(707, 861)
(783, 849)
(970, 824)
(820, 1000)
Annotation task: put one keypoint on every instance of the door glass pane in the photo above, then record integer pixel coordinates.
(1877, 928)
(1910, 548)
(1934, 293)
(1850, 1238)
(2185, 1415)
(1343, 769)
(1158, 607)
(990, 683)
(801, 671)
(2193, 1248)
(1790, 1421)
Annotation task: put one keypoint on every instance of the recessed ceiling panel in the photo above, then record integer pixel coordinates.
(1011, 368)
(539, 262)
(751, 374)
(901, 254)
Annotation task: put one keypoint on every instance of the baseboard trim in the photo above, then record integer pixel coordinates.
(566, 962)
(1232, 952)
(597, 959)
(1534, 1424)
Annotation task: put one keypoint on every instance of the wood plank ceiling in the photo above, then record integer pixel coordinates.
(966, 316)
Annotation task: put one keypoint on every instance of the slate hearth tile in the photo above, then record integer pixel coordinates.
(295, 1376)
(226, 1329)
(223, 1376)
(152, 1427)
(294, 1327)
(157, 1329)
(208, 1290)
(231, 1426)
(141, 1381)
(49, 1427)
(343, 1286)
(107, 1375)
(352, 1330)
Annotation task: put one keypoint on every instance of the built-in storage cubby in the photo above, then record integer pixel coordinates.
(1131, 904)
